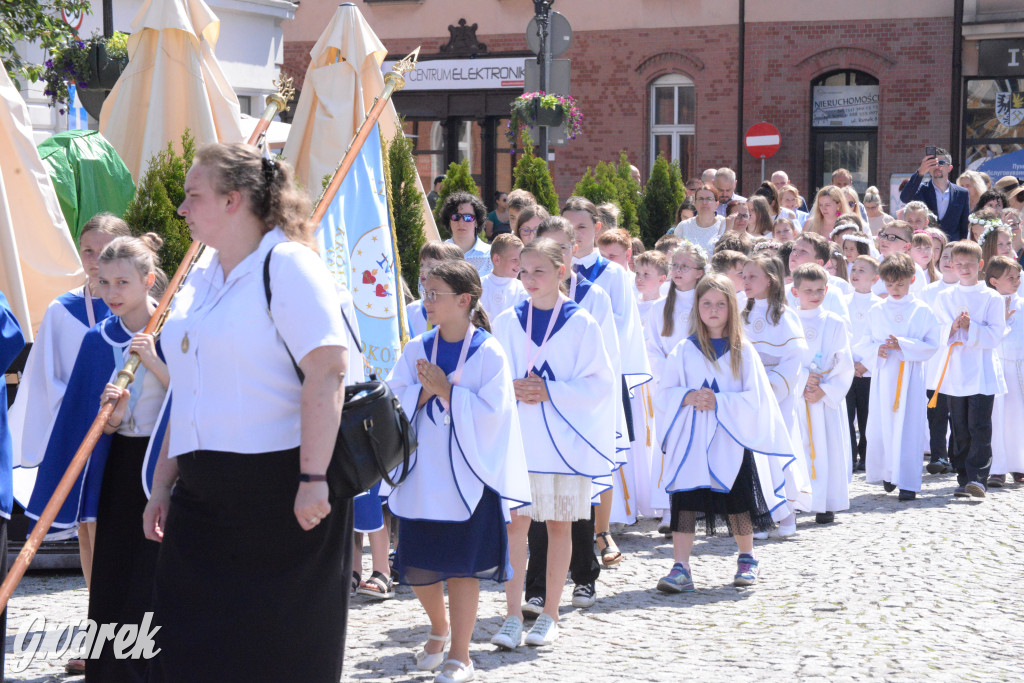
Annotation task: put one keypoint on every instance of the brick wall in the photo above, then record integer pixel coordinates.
(612, 71)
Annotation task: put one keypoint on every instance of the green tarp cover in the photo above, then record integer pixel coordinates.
(88, 175)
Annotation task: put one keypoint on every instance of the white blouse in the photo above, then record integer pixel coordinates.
(233, 386)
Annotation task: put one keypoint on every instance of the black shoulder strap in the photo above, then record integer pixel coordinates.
(266, 291)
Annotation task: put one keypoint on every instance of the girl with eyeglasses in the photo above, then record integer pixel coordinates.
(468, 471)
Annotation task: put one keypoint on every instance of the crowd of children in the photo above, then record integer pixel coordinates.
(776, 366)
(565, 379)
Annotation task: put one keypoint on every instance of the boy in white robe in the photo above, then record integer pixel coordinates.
(863, 276)
(902, 335)
(810, 247)
(897, 238)
(825, 379)
(431, 254)
(940, 441)
(501, 287)
(973, 319)
(651, 274)
(1003, 275)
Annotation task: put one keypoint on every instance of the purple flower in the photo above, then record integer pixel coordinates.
(49, 63)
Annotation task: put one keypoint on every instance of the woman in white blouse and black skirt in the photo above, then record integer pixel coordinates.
(253, 573)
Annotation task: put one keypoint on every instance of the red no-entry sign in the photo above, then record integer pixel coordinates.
(762, 140)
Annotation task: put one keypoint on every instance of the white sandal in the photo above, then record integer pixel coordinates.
(426, 661)
(455, 671)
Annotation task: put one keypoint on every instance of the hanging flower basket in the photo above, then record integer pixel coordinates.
(93, 65)
(540, 109)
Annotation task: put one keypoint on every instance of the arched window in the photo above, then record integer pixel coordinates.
(844, 127)
(673, 113)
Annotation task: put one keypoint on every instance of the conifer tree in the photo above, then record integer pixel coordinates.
(406, 206)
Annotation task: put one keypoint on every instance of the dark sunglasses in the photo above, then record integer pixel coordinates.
(464, 217)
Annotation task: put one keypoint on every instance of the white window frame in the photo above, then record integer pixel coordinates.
(674, 129)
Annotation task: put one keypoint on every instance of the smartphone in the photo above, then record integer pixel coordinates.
(929, 151)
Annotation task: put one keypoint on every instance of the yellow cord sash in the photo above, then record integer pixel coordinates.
(935, 396)
(899, 388)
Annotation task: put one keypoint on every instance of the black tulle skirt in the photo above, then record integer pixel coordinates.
(714, 507)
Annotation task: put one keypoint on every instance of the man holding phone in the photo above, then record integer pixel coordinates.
(950, 202)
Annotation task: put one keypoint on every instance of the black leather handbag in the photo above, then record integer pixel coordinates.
(375, 437)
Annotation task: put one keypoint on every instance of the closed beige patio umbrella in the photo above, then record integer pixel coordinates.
(38, 258)
(172, 82)
(343, 77)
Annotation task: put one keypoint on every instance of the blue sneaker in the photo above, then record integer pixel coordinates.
(677, 581)
(746, 571)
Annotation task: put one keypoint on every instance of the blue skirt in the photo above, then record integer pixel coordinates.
(368, 515)
(429, 552)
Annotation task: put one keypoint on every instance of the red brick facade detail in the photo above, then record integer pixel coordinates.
(612, 72)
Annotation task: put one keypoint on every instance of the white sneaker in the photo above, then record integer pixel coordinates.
(786, 530)
(761, 535)
(455, 671)
(544, 631)
(510, 635)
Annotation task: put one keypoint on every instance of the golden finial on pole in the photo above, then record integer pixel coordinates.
(396, 77)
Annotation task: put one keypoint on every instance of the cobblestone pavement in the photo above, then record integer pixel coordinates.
(891, 591)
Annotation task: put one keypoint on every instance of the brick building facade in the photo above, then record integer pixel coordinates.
(615, 63)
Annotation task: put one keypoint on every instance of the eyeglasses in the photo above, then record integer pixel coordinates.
(464, 217)
(744, 216)
(527, 231)
(891, 237)
(943, 162)
(707, 199)
(432, 294)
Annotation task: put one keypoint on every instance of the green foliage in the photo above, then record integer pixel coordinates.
(458, 178)
(35, 22)
(675, 178)
(658, 206)
(157, 197)
(613, 183)
(406, 206)
(531, 173)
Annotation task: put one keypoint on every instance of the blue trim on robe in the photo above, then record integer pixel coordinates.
(594, 271)
(75, 305)
(12, 341)
(93, 370)
(541, 318)
(583, 286)
(448, 360)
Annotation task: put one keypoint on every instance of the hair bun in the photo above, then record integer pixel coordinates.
(152, 240)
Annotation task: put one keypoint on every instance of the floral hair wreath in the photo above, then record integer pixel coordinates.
(768, 244)
(992, 227)
(863, 239)
(846, 225)
(699, 249)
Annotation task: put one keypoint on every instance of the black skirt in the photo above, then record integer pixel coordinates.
(124, 561)
(242, 592)
(714, 507)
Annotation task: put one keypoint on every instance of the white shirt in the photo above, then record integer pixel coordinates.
(234, 388)
(689, 230)
(500, 293)
(941, 200)
(479, 256)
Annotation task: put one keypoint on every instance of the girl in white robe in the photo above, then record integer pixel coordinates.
(902, 335)
(1003, 275)
(668, 323)
(48, 369)
(718, 407)
(774, 330)
(597, 303)
(821, 403)
(468, 470)
(568, 396)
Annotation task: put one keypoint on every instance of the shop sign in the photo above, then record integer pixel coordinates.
(1001, 57)
(845, 106)
(465, 74)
